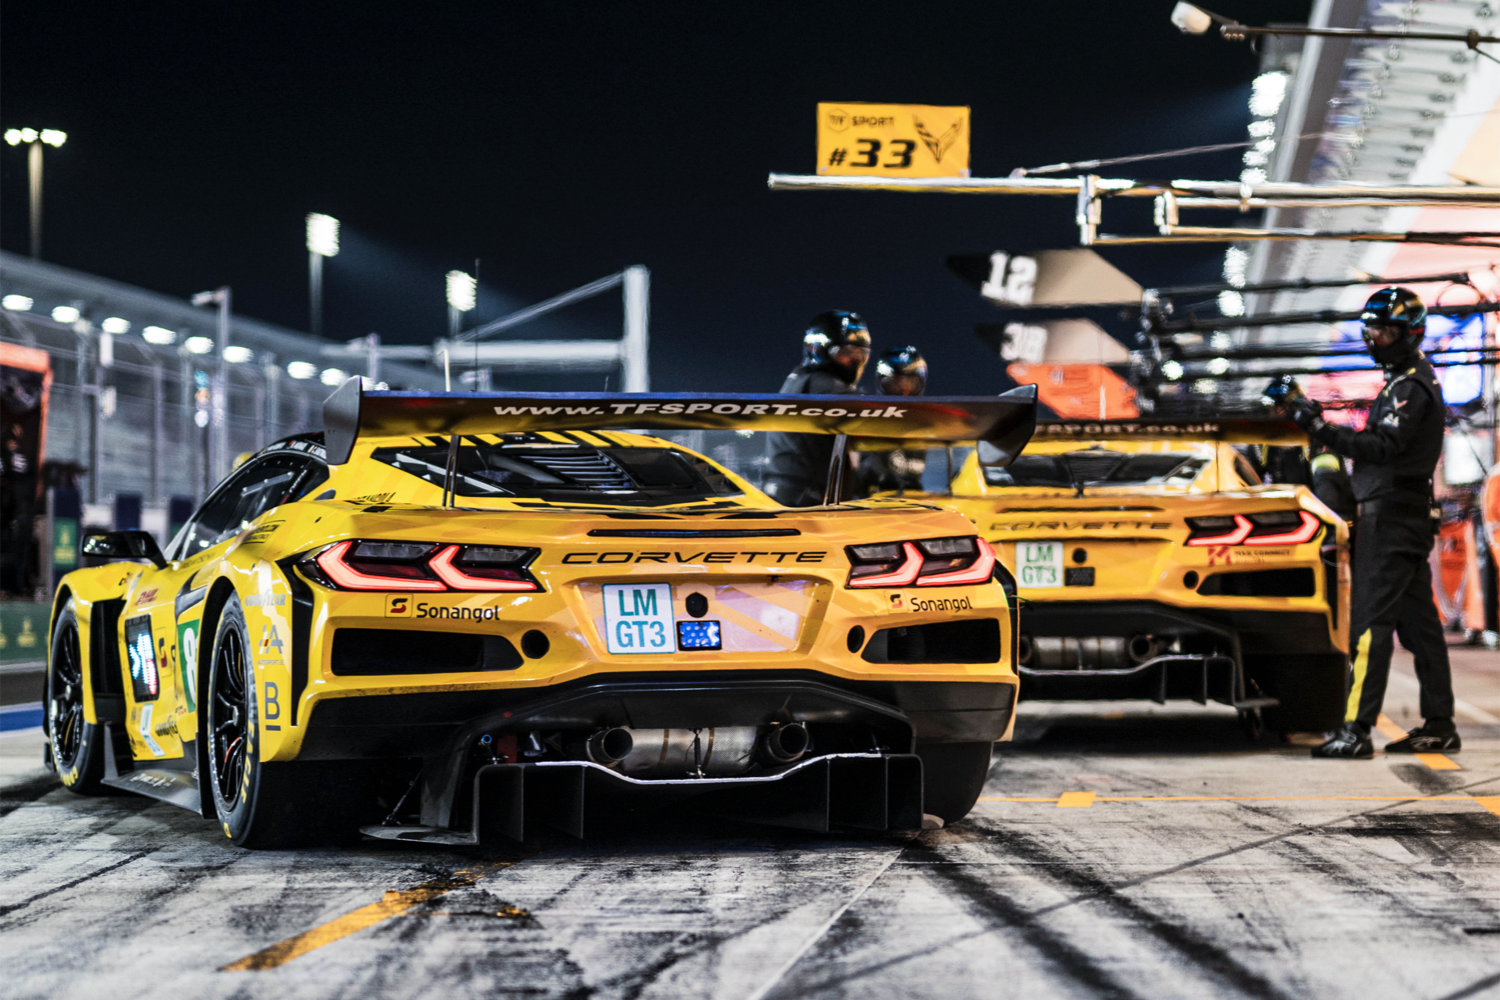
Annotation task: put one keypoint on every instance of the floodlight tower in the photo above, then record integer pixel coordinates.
(35, 139)
(463, 293)
(322, 241)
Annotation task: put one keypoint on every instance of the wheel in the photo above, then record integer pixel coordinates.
(259, 804)
(953, 775)
(77, 745)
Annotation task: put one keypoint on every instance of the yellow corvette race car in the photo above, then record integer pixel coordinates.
(453, 615)
(1152, 563)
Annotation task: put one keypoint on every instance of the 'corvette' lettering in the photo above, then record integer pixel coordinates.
(683, 558)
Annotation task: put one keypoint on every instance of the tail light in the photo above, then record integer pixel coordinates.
(1274, 527)
(421, 566)
(932, 562)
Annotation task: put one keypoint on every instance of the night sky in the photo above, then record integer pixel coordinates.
(561, 142)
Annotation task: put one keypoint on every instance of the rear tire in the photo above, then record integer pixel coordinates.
(953, 775)
(77, 745)
(263, 805)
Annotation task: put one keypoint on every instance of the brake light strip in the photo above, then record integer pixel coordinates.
(442, 565)
(1296, 536)
(1242, 527)
(980, 572)
(331, 561)
(900, 577)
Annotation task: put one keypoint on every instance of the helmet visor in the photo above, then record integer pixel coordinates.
(1383, 334)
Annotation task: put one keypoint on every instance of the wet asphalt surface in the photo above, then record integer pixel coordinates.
(1284, 891)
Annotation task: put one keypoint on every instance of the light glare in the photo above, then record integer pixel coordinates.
(301, 369)
(237, 355)
(322, 234)
(18, 303)
(1172, 370)
(53, 137)
(158, 335)
(28, 135)
(1267, 93)
(1218, 366)
(1231, 304)
(13, 136)
(461, 288)
(198, 345)
(114, 324)
(332, 376)
(66, 314)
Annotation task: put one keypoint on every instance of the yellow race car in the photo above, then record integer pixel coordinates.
(453, 615)
(1152, 563)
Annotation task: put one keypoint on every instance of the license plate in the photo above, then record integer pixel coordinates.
(638, 618)
(1039, 564)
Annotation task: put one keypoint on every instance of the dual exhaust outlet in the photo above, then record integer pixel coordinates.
(1091, 652)
(668, 753)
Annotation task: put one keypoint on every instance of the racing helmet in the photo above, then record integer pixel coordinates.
(1395, 321)
(901, 371)
(838, 342)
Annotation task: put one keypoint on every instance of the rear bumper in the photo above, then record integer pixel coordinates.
(443, 729)
(862, 791)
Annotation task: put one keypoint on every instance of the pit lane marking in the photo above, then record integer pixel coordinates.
(1436, 761)
(1083, 800)
(393, 904)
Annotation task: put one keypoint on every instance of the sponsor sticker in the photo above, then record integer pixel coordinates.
(398, 605)
(145, 730)
(638, 618)
(187, 660)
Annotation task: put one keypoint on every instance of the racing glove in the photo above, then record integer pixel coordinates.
(1307, 413)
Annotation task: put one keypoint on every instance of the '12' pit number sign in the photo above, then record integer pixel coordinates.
(893, 140)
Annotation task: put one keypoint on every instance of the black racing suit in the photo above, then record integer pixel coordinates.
(1394, 459)
(797, 473)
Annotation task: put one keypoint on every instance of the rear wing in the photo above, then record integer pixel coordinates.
(1235, 430)
(1002, 424)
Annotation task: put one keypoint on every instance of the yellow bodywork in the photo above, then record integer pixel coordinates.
(783, 600)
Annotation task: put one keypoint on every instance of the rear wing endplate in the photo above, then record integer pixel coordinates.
(1234, 430)
(1003, 424)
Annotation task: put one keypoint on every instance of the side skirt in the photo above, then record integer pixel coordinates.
(180, 788)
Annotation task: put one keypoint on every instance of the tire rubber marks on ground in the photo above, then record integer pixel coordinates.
(393, 904)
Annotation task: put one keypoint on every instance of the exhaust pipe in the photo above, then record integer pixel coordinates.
(1143, 647)
(785, 743)
(609, 746)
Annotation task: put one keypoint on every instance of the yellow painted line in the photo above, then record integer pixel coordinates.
(1438, 762)
(1490, 802)
(1075, 800)
(1388, 728)
(391, 905)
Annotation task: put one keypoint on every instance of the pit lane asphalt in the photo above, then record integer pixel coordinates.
(1120, 852)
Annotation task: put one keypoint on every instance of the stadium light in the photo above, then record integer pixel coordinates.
(66, 314)
(1194, 20)
(322, 241)
(462, 297)
(332, 376)
(301, 369)
(17, 303)
(158, 335)
(199, 345)
(114, 324)
(236, 355)
(36, 140)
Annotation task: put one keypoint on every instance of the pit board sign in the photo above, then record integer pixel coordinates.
(893, 140)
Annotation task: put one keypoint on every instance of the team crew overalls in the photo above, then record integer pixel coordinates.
(797, 472)
(1394, 460)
